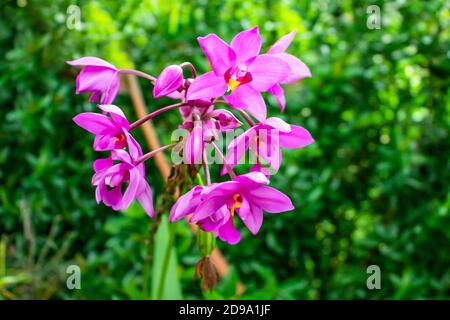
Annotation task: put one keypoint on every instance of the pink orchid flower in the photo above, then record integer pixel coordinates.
(111, 129)
(205, 124)
(265, 140)
(219, 222)
(213, 121)
(110, 180)
(239, 68)
(247, 196)
(299, 70)
(97, 76)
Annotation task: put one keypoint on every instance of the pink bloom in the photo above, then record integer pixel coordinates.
(111, 132)
(110, 180)
(247, 196)
(205, 124)
(239, 68)
(219, 222)
(265, 140)
(169, 81)
(299, 70)
(99, 77)
(213, 121)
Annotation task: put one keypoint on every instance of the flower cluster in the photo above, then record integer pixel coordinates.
(240, 73)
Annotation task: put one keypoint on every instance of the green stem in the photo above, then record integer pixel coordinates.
(206, 241)
(149, 257)
(200, 179)
(166, 261)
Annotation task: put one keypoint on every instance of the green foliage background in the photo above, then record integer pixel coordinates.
(373, 189)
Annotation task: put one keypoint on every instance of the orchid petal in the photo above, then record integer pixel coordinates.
(106, 142)
(268, 70)
(101, 164)
(207, 85)
(116, 114)
(246, 45)
(169, 80)
(145, 198)
(195, 145)
(91, 61)
(278, 124)
(253, 219)
(186, 204)
(94, 122)
(298, 138)
(299, 70)
(111, 198)
(96, 79)
(220, 189)
(121, 155)
(226, 120)
(269, 148)
(209, 207)
(220, 55)
(251, 180)
(228, 233)
(133, 146)
(283, 43)
(112, 89)
(214, 197)
(270, 199)
(245, 97)
(278, 92)
(132, 188)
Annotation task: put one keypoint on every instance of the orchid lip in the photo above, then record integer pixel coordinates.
(237, 203)
(236, 77)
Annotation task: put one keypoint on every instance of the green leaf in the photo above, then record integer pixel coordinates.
(172, 287)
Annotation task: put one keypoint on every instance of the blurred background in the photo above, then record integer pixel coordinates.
(372, 190)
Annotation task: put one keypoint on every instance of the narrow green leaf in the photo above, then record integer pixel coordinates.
(172, 287)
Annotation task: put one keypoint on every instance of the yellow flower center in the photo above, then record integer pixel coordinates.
(237, 203)
(120, 138)
(233, 84)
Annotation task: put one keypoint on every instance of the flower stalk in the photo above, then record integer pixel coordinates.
(247, 118)
(150, 154)
(138, 73)
(153, 114)
(225, 164)
(188, 65)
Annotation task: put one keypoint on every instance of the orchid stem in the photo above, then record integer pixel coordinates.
(166, 261)
(137, 123)
(200, 179)
(247, 118)
(150, 154)
(189, 65)
(138, 73)
(206, 168)
(222, 157)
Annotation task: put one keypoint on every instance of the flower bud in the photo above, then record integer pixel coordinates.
(170, 80)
